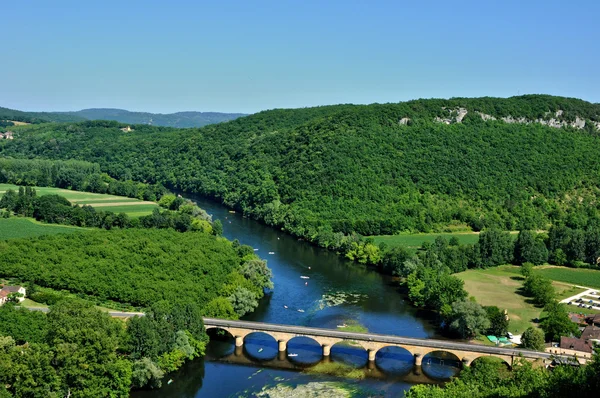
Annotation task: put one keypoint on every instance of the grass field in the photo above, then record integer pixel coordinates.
(576, 276)
(414, 241)
(500, 286)
(17, 227)
(101, 202)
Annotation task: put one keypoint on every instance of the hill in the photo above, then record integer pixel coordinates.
(511, 163)
(36, 117)
(179, 119)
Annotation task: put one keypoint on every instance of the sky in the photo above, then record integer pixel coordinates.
(247, 56)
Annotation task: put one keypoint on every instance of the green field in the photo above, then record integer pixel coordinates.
(414, 241)
(102, 202)
(500, 286)
(576, 276)
(17, 227)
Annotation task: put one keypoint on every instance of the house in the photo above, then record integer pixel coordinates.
(570, 343)
(7, 135)
(572, 347)
(591, 333)
(126, 129)
(593, 320)
(7, 290)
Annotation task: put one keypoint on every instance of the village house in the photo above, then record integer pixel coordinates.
(127, 129)
(8, 135)
(7, 290)
(593, 320)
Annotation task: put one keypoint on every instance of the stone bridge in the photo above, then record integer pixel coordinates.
(372, 342)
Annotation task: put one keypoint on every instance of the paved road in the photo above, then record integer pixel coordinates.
(116, 314)
(380, 338)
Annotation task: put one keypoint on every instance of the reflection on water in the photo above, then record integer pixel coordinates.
(336, 292)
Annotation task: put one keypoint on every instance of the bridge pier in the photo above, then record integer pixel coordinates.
(282, 345)
(418, 359)
(372, 354)
(239, 351)
(466, 362)
(326, 350)
(239, 341)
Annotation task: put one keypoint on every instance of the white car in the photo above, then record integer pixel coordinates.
(510, 335)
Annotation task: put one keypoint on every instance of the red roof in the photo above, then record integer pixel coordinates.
(571, 343)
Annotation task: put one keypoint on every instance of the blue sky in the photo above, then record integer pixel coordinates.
(246, 56)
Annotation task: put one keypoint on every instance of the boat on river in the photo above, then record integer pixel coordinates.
(305, 277)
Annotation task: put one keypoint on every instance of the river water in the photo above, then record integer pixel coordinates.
(337, 293)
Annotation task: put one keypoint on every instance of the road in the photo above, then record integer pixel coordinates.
(114, 314)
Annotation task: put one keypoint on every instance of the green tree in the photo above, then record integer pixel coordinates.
(146, 374)
(494, 248)
(533, 339)
(530, 248)
(498, 321)
(85, 341)
(243, 301)
(556, 322)
(468, 319)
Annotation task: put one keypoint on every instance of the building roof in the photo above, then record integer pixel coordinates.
(571, 343)
(576, 318)
(590, 332)
(4, 293)
(11, 289)
(593, 319)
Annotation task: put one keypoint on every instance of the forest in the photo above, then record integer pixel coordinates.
(141, 267)
(79, 351)
(324, 171)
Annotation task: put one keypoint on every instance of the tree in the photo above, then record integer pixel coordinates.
(540, 288)
(468, 319)
(527, 269)
(533, 339)
(393, 261)
(498, 321)
(494, 248)
(85, 340)
(530, 248)
(146, 374)
(243, 301)
(257, 272)
(556, 323)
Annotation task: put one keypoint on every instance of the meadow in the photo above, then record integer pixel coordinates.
(414, 241)
(18, 227)
(576, 276)
(501, 286)
(102, 202)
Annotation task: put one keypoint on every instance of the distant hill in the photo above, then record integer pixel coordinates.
(37, 117)
(179, 119)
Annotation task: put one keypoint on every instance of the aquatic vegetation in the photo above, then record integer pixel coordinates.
(327, 389)
(337, 369)
(338, 298)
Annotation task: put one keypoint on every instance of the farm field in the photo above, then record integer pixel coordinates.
(102, 202)
(500, 286)
(18, 227)
(576, 276)
(414, 241)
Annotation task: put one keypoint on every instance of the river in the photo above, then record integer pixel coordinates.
(337, 293)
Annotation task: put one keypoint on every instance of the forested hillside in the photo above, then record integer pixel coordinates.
(178, 119)
(376, 169)
(36, 117)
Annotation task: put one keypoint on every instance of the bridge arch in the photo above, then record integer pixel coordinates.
(441, 364)
(349, 352)
(304, 350)
(491, 359)
(261, 346)
(394, 359)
